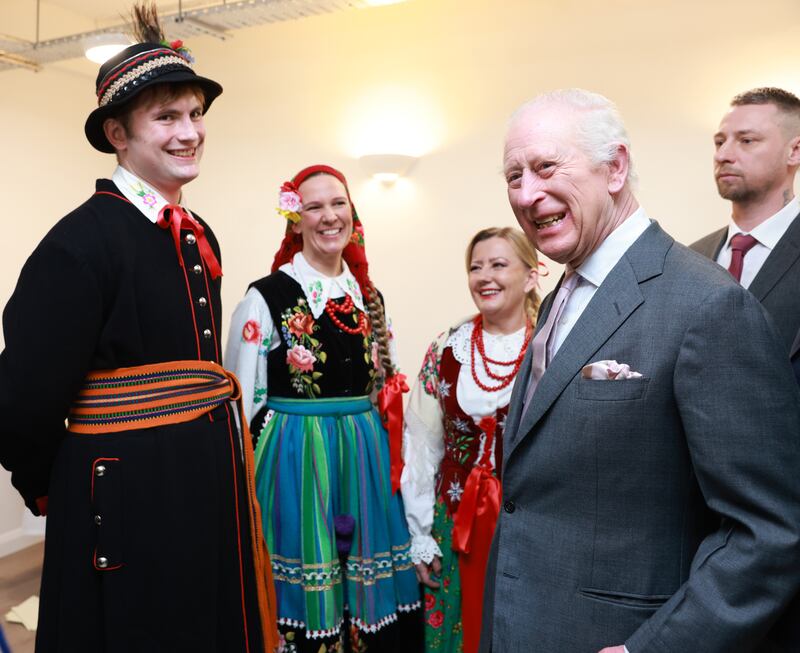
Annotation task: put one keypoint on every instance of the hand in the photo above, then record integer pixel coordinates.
(426, 569)
(613, 649)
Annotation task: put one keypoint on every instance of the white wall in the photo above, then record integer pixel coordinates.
(442, 76)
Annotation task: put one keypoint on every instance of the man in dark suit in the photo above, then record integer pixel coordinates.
(757, 156)
(651, 499)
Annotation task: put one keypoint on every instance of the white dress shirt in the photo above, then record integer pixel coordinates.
(768, 233)
(595, 269)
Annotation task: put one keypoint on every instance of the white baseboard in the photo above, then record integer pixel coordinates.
(15, 540)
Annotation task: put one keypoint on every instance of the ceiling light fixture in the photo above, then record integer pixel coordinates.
(101, 47)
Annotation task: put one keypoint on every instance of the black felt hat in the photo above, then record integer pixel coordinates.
(128, 73)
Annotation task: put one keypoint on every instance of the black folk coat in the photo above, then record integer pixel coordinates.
(103, 290)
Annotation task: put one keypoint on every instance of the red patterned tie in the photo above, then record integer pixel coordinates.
(740, 245)
(541, 341)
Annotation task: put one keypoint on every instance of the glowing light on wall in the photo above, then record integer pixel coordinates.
(392, 120)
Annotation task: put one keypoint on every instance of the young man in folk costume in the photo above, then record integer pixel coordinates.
(153, 535)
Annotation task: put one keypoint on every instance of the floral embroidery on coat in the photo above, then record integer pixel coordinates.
(304, 350)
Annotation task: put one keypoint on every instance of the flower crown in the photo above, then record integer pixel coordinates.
(178, 46)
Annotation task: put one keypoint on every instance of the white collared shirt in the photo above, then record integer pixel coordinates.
(768, 233)
(596, 268)
(246, 355)
(141, 194)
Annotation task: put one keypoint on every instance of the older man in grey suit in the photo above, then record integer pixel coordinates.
(756, 158)
(651, 499)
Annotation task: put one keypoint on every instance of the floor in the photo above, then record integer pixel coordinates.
(19, 579)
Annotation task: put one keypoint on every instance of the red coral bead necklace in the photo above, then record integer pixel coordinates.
(346, 308)
(476, 348)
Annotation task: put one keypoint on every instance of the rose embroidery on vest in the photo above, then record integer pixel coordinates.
(303, 349)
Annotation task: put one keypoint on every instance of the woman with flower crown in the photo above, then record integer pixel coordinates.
(310, 345)
(454, 434)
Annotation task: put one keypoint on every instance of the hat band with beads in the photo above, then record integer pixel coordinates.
(143, 67)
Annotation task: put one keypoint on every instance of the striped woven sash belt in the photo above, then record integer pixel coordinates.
(139, 397)
(150, 395)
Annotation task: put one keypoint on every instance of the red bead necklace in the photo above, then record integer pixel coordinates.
(346, 308)
(476, 347)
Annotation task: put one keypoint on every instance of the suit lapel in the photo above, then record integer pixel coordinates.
(524, 377)
(613, 302)
(778, 262)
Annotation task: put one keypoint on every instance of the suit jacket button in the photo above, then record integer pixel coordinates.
(509, 506)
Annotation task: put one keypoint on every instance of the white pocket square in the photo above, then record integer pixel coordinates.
(608, 371)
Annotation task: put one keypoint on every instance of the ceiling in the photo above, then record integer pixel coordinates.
(185, 20)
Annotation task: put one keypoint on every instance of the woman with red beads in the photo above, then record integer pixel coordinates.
(310, 346)
(454, 434)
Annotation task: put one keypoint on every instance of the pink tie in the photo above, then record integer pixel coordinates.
(740, 245)
(542, 340)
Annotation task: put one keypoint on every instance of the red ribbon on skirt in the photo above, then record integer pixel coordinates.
(473, 528)
(175, 218)
(390, 406)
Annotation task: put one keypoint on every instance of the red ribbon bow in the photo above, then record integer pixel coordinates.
(390, 405)
(473, 528)
(175, 218)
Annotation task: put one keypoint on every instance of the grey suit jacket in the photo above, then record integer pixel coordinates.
(664, 511)
(777, 284)
(777, 287)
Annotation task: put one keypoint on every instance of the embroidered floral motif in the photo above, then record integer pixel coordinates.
(444, 389)
(304, 350)
(147, 195)
(429, 374)
(436, 618)
(461, 425)
(455, 491)
(251, 332)
(301, 358)
(430, 601)
(314, 292)
(353, 288)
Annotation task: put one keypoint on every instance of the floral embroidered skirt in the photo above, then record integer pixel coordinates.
(316, 460)
(443, 630)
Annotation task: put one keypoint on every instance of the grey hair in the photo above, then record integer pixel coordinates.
(599, 130)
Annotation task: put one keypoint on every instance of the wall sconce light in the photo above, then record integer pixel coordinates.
(387, 168)
(101, 47)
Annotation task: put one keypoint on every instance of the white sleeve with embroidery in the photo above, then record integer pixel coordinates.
(250, 338)
(423, 450)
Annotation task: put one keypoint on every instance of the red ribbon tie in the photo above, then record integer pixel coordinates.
(175, 218)
(390, 405)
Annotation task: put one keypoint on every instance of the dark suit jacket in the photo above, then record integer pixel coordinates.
(777, 284)
(651, 511)
(777, 287)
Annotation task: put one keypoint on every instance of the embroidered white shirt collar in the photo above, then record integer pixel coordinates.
(769, 232)
(141, 194)
(600, 262)
(318, 287)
